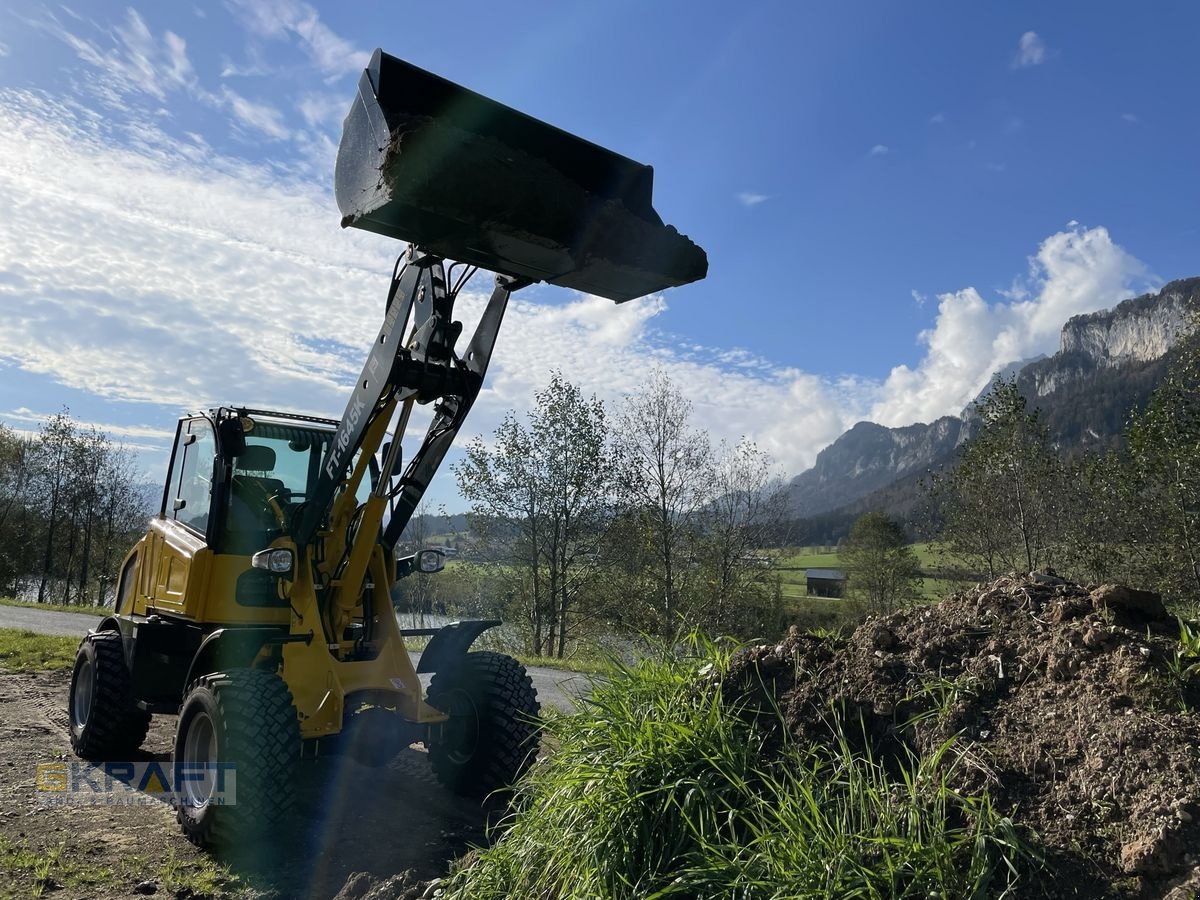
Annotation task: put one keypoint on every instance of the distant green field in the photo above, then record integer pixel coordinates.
(794, 584)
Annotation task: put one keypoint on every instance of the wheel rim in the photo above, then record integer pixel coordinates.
(200, 753)
(81, 697)
(461, 732)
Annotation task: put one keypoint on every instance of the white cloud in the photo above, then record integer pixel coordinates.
(937, 119)
(4, 51)
(1075, 271)
(259, 116)
(250, 292)
(137, 63)
(879, 150)
(323, 110)
(918, 297)
(1031, 51)
(154, 436)
(279, 19)
(749, 199)
(1131, 118)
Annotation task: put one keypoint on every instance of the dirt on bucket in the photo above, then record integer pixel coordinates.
(1062, 704)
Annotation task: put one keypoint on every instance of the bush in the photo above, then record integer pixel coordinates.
(659, 789)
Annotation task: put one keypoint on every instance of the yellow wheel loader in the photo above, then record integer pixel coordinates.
(257, 608)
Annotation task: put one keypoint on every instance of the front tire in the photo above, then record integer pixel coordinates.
(245, 717)
(105, 721)
(491, 738)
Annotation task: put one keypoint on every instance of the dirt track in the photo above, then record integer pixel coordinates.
(555, 687)
(353, 819)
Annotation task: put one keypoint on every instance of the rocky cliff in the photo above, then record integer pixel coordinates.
(1139, 330)
(1107, 366)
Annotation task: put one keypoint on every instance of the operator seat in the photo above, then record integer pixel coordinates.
(252, 522)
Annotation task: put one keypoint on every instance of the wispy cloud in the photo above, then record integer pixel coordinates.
(879, 150)
(1031, 51)
(281, 19)
(918, 297)
(136, 63)
(323, 110)
(4, 51)
(262, 117)
(1129, 117)
(746, 198)
(937, 119)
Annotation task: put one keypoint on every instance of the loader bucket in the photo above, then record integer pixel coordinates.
(464, 177)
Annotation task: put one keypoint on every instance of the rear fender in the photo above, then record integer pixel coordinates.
(451, 642)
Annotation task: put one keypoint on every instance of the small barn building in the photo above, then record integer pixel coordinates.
(826, 582)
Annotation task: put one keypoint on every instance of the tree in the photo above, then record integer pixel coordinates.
(667, 476)
(884, 571)
(1164, 457)
(543, 494)
(1000, 505)
(69, 509)
(740, 592)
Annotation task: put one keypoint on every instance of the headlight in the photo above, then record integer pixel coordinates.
(276, 561)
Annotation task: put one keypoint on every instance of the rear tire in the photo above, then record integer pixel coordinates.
(244, 717)
(491, 738)
(105, 721)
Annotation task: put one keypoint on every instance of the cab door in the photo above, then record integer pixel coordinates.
(179, 555)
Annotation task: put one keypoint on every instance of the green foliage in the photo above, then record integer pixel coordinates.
(69, 509)
(884, 571)
(1184, 663)
(1001, 505)
(659, 789)
(545, 490)
(1164, 457)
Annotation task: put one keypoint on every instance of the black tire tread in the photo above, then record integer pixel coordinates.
(115, 727)
(260, 733)
(507, 704)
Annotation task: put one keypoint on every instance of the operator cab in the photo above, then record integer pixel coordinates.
(238, 477)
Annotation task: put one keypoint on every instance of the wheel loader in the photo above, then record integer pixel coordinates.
(257, 607)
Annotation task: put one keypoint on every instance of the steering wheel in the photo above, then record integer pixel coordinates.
(276, 503)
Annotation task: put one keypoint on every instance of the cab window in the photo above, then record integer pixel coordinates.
(190, 499)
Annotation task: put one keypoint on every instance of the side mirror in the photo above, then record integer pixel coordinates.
(424, 561)
(430, 561)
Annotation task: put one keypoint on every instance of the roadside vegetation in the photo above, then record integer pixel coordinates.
(53, 607)
(663, 787)
(25, 651)
(70, 506)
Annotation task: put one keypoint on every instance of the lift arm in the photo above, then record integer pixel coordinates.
(423, 370)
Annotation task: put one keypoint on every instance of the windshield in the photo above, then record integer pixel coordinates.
(271, 479)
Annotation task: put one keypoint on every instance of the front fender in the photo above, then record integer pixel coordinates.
(452, 641)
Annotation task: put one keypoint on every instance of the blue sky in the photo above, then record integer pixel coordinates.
(896, 198)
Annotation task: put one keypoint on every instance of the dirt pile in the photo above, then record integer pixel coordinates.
(1063, 706)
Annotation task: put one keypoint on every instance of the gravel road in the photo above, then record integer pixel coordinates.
(554, 687)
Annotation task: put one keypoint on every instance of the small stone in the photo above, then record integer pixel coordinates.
(145, 887)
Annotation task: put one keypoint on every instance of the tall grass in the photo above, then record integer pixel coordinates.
(659, 789)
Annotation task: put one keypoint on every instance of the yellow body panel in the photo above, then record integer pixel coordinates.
(177, 574)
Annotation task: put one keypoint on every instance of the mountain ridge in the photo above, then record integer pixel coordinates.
(1107, 365)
